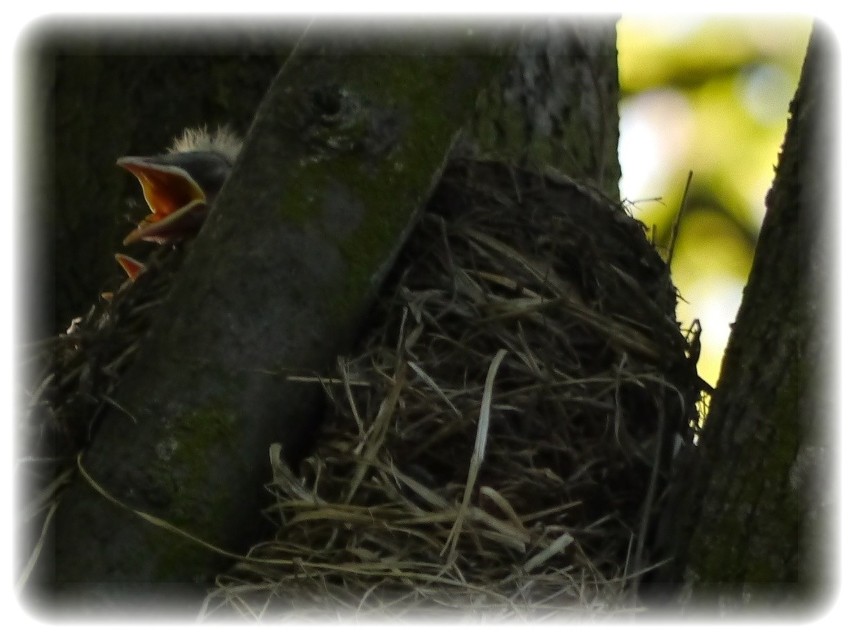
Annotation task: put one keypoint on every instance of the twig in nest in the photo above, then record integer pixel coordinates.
(676, 227)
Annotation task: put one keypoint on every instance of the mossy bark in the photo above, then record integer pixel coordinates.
(750, 517)
(343, 152)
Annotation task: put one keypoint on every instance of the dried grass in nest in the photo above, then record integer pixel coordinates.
(498, 445)
(75, 375)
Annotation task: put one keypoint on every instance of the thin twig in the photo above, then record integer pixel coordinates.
(676, 226)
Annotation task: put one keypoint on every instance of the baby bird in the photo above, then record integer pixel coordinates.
(179, 187)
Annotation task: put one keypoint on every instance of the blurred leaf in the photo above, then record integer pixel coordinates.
(687, 52)
(708, 95)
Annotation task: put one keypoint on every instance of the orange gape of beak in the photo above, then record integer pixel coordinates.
(179, 187)
(131, 266)
(178, 204)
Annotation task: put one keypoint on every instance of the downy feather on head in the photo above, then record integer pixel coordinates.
(222, 141)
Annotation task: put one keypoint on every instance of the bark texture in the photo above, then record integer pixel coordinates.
(558, 105)
(750, 519)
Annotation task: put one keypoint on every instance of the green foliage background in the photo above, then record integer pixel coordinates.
(708, 95)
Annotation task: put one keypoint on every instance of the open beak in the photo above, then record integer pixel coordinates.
(178, 204)
(131, 266)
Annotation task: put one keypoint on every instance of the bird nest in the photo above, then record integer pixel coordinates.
(499, 442)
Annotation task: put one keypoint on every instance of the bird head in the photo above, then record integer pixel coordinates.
(180, 185)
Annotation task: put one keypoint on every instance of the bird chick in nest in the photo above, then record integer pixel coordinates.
(179, 187)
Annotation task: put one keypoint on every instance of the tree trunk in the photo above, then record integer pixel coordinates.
(558, 105)
(749, 518)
